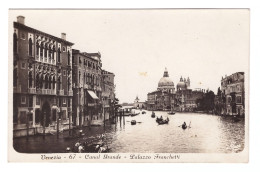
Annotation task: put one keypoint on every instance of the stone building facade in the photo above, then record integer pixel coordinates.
(166, 98)
(87, 92)
(42, 79)
(233, 91)
(108, 93)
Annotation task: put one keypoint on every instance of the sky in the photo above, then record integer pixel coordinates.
(137, 45)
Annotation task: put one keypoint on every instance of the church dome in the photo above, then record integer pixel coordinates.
(165, 80)
(182, 84)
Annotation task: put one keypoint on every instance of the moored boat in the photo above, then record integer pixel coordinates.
(133, 122)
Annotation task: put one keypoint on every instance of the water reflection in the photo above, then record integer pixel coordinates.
(207, 134)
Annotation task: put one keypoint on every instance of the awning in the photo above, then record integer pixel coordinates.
(92, 94)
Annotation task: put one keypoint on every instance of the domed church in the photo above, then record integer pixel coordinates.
(166, 84)
(166, 98)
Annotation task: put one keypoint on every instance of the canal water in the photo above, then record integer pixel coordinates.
(207, 134)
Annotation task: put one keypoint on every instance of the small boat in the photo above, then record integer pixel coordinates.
(143, 112)
(159, 119)
(171, 113)
(183, 126)
(163, 122)
(153, 115)
(133, 122)
(134, 114)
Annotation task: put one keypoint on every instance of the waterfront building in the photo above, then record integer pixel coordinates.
(108, 93)
(233, 91)
(42, 80)
(138, 104)
(163, 97)
(167, 98)
(87, 92)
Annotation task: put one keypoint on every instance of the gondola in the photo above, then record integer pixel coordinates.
(171, 113)
(133, 122)
(163, 122)
(183, 127)
(153, 115)
(159, 119)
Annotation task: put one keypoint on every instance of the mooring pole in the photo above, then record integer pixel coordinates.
(27, 126)
(44, 121)
(58, 126)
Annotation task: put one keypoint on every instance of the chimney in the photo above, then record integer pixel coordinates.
(63, 36)
(20, 19)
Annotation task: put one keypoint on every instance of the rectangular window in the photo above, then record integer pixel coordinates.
(64, 116)
(23, 100)
(64, 72)
(23, 65)
(64, 100)
(54, 101)
(38, 100)
(239, 100)
(22, 117)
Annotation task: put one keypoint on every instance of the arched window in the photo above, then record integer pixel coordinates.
(15, 43)
(15, 77)
(53, 51)
(41, 81)
(30, 47)
(58, 55)
(53, 82)
(68, 57)
(84, 78)
(30, 79)
(79, 77)
(50, 53)
(46, 82)
(45, 52)
(37, 81)
(50, 82)
(41, 50)
(37, 48)
(68, 84)
(59, 83)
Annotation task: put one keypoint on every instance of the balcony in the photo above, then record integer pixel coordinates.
(70, 93)
(32, 90)
(60, 92)
(46, 91)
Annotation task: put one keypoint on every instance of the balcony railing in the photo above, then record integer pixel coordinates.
(61, 92)
(46, 91)
(32, 90)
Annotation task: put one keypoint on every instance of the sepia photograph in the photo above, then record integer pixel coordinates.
(128, 85)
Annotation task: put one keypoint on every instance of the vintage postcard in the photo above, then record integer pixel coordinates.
(129, 85)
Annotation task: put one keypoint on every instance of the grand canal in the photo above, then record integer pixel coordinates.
(207, 134)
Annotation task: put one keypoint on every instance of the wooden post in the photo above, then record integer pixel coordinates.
(58, 126)
(69, 123)
(124, 116)
(27, 125)
(44, 120)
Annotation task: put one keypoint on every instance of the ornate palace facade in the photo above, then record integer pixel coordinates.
(42, 79)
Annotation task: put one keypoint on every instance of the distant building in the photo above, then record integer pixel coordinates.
(42, 79)
(138, 104)
(233, 91)
(87, 90)
(108, 92)
(167, 98)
